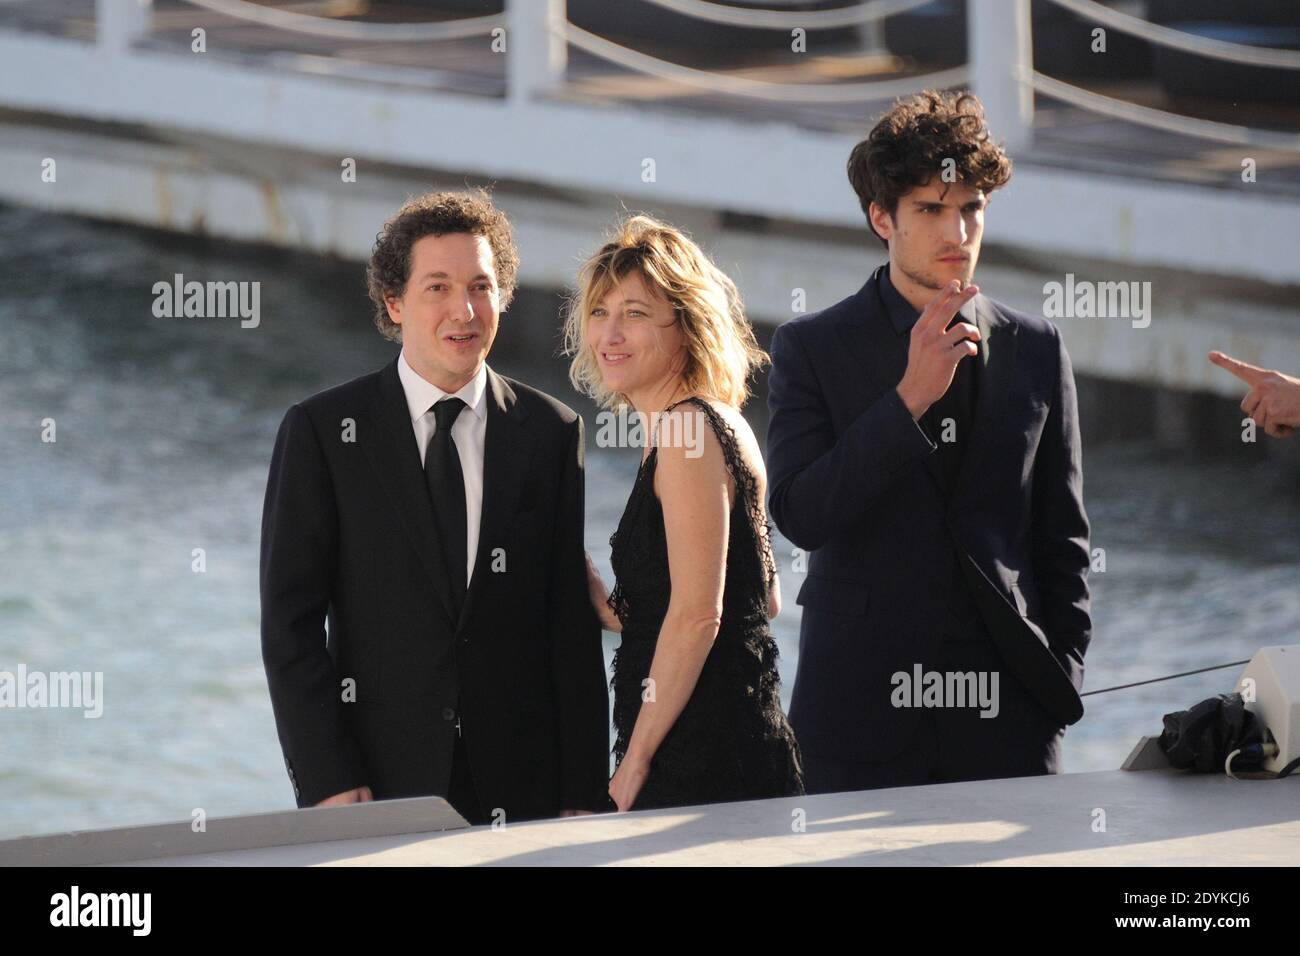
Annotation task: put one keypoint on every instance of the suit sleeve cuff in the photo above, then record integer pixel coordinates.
(905, 440)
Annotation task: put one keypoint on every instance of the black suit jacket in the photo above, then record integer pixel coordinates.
(348, 536)
(857, 482)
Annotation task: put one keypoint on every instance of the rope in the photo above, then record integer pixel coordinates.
(783, 20)
(1160, 119)
(1156, 680)
(1179, 40)
(349, 29)
(758, 89)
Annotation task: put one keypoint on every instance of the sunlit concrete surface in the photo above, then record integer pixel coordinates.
(1151, 818)
(1109, 818)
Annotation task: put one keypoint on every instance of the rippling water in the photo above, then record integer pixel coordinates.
(164, 433)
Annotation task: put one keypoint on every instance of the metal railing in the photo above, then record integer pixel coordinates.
(999, 69)
(759, 89)
(358, 30)
(1162, 119)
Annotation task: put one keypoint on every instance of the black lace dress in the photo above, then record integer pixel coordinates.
(732, 740)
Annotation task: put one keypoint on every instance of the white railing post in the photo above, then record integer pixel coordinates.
(536, 51)
(1001, 54)
(118, 23)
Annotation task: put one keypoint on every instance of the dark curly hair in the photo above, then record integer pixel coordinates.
(437, 214)
(907, 147)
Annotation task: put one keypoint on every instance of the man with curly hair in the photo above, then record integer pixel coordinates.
(924, 447)
(432, 512)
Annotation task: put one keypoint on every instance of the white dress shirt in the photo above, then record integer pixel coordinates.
(467, 432)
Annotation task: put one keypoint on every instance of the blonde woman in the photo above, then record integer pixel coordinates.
(657, 333)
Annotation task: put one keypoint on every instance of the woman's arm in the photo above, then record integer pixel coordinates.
(696, 497)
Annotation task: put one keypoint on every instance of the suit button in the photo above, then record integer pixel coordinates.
(448, 714)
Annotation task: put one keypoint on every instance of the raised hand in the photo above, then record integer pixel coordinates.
(1273, 400)
(934, 349)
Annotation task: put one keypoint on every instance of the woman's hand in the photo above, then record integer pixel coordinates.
(600, 599)
(627, 781)
(359, 795)
(774, 598)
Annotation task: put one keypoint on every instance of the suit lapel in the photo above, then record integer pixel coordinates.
(395, 456)
(997, 357)
(866, 332)
(507, 455)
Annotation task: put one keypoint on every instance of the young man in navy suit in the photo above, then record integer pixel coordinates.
(924, 447)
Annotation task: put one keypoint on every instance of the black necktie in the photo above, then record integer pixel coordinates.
(958, 403)
(446, 483)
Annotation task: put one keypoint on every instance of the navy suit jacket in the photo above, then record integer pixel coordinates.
(855, 481)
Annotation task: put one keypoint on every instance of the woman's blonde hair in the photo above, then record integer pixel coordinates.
(721, 351)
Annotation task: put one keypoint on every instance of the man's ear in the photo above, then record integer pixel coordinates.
(881, 221)
(394, 306)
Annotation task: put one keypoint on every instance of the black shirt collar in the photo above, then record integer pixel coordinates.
(901, 314)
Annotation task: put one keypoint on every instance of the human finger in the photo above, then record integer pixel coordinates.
(1250, 374)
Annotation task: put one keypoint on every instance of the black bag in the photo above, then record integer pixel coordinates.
(1201, 738)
